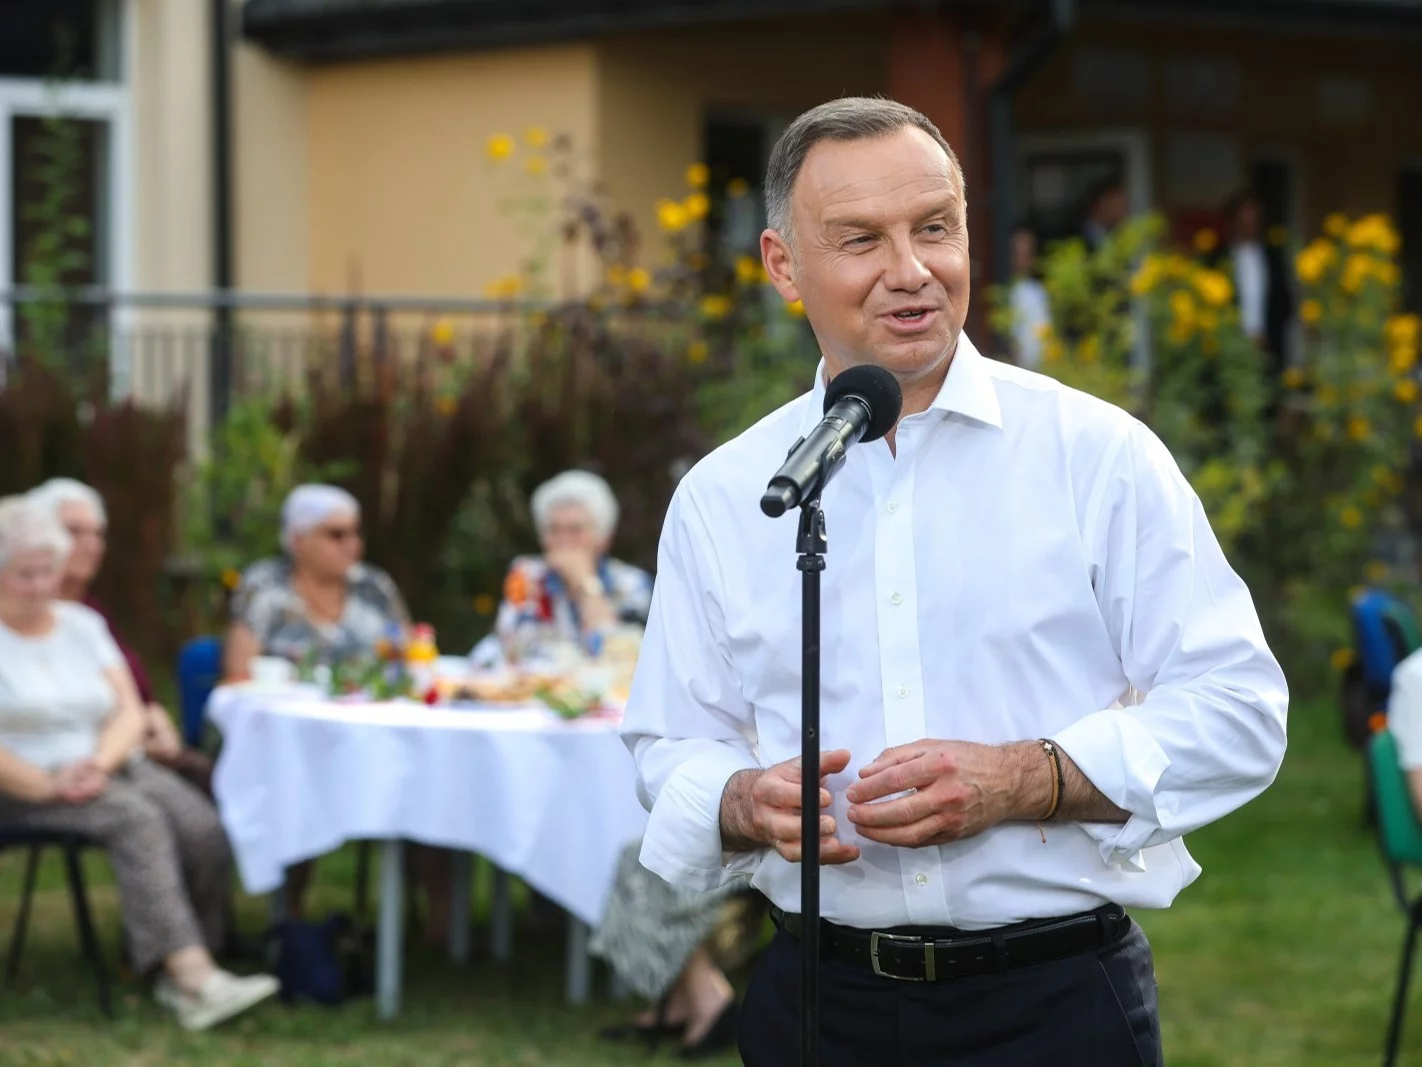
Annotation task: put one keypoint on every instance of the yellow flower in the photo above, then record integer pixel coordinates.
(697, 351)
(1355, 272)
(1182, 306)
(1359, 428)
(1381, 475)
(715, 306)
(1350, 516)
(499, 147)
(747, 270)
(639, 279)
(1405, 390)
(1375, 232)
(535, 165)
(1375, 571)
(671, 216)
(1147, 277)
(1387, 272)
(1293, 378)
(505, 288)
(1403, 331)
(1327, 395)
(1342, 658)
(1311, 311)
(697, 205)
(796, 308)
(484, 604)
(446, 404)
(1053, 350)
(616, 275)
(1312, 261)
(230, 578)
(442, 333)
(1336, 224)
(737, 188)
(1089, 351)
(1214, 287)
(1206, 241)
(535, 137)
(697, 175)
(1208, 321)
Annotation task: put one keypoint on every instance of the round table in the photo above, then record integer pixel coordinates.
(550, 800)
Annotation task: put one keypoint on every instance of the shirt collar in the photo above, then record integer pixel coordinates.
(968, 390)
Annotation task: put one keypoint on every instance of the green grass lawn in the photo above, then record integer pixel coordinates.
(1282, 954)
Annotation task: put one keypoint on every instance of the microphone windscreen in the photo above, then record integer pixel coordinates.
(877, 388)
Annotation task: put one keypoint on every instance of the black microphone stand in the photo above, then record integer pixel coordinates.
(811, 544)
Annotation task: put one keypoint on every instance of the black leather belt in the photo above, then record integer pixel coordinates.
(939, 954)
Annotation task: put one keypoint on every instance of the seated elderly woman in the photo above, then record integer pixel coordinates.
(653, 934)
(321, 600)
(80, 510)
(575, 592)
(71, 732)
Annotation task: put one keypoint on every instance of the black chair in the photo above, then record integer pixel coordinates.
(72, 844)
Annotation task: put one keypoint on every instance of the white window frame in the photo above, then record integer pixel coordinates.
(107, 102)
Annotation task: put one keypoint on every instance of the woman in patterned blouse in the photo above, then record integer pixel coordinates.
(574, 593)
(321, 600)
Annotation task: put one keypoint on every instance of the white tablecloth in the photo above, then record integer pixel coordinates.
(553, 802)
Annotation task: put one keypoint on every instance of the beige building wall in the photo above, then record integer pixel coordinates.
(658, 87)
(402, 197)
(271, 179)
(171, 155)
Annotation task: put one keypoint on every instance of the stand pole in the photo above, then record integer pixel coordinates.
(810, 544)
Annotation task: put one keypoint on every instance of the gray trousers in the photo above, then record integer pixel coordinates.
(168, 851)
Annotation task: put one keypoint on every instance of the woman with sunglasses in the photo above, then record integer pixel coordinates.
(321, 601)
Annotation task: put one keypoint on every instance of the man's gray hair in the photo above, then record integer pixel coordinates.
(851, 118)
(57, 492)
(581, 488)
(25, 526)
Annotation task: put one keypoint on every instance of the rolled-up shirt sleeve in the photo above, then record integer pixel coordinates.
(1209, 735)
(687, 724)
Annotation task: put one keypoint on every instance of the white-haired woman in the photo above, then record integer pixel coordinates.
(71, 727)
(320, 599)
(80, 510)
(653, 934)
(575, 591)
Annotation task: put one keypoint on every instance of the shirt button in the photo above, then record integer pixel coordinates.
(897, 598)
(893, 506)
(903, 691)
(921, 879)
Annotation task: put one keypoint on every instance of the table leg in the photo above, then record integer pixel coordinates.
(459, 907)
(579, 962)
(391, 929)
(501, 917)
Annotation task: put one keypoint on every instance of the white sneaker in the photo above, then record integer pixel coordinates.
(221, 997)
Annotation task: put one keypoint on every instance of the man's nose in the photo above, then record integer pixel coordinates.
(906, 271)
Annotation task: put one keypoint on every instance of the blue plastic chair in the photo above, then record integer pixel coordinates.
(1384, 634)
(199, 671)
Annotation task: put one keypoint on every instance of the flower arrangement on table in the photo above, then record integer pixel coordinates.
(396, 669)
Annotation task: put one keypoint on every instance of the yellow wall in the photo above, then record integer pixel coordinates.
(270, 209)
(1342, 167)
(402, 198)
(657, 88)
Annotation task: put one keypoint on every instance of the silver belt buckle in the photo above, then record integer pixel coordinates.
(928, 970)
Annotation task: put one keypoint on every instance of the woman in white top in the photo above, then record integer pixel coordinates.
(71, 731)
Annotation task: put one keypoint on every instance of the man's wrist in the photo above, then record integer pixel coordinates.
(1029, 772)
(737, 825)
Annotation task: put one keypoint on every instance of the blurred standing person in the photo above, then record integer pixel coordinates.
(1260, 279)
(1106, 208)
(1031, 306)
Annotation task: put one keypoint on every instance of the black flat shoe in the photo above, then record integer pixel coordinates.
(720, 1038)
(651, 1035)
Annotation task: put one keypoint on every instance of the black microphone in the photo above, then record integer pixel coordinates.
(861, 404)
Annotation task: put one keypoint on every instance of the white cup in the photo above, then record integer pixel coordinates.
(273, 670)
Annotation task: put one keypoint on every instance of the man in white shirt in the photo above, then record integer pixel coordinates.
(1009, 565)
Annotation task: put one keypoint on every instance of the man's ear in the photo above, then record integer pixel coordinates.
(779, 264)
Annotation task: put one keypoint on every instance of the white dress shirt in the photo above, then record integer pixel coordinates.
(1030, 556)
